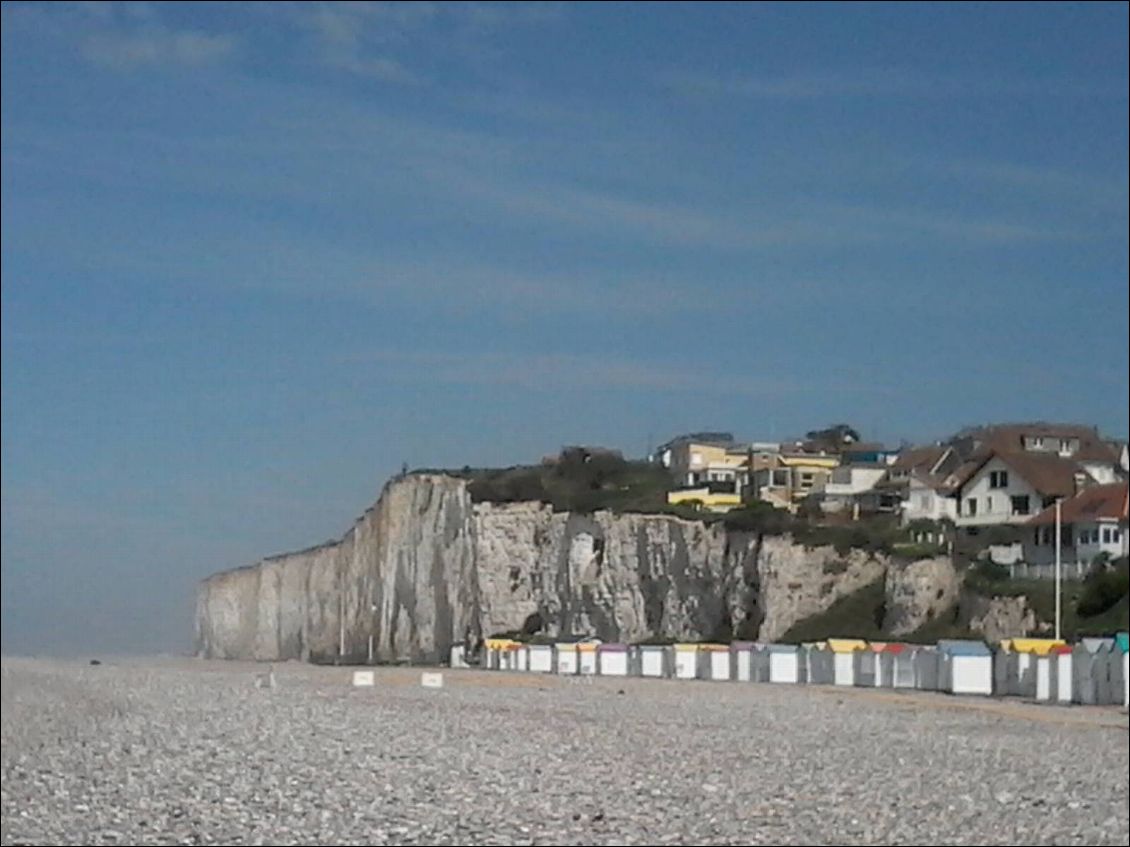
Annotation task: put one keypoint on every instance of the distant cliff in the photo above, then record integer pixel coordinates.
(426, 565)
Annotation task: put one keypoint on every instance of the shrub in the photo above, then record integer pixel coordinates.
(759, 517)
(1103, 588)
(989, 571)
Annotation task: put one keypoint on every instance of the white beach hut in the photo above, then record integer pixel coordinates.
(655, 660)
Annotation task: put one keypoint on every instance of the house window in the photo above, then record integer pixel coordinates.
(1106, 535)
(1066, 539)
(1048, 502)
(1049, 535)
(696, 458)
(1036, 536)
(989, 505)
(1020, 505)
(971, 507)
(998, 479)
(1037, 443)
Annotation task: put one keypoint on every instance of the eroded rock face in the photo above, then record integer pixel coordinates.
(918, 592)
(998, 618)
(425, 566)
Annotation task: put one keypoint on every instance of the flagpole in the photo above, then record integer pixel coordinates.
(1058, 566)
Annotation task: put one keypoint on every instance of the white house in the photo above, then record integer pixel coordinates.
(919, 477)
(1093, 522)
(847, 483)
(1011, 487)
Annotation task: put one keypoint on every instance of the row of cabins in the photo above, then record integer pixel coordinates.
(1002, 475)
(1091, 672)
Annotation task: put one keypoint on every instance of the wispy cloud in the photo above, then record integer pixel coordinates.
(873, 83)
(1042, 180)
(157, 47)
(372, 39)
(354, 37)
(553, 372)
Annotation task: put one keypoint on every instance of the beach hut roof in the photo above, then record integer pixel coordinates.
(846, 645)
(1039, 646)
(961, 647)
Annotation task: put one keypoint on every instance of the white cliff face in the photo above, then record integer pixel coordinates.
(426, 566)
(919, 592)
(997, 618)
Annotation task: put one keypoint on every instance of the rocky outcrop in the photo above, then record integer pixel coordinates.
(918, 592)
(426, 566)
(998, 618)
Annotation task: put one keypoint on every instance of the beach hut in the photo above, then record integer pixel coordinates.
(965, 667)
(498, 654)
(741, 661)
(1062, 678)
(520, 660)
(896, 666)
(612, 659)
(1021, 672)
(844, 652)
(927, 668)
(876, 666)
(655, 660)
(586, 657)
(714, 662)
(1122, 642)
(686, 661)
(1105, 675)
(1088, 659)
(458, 656)
(819, 663)
(868, 666)
(787, 663)
(568, 662)
(540, 658)
(759, 663)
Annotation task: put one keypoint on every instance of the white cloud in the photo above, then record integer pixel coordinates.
(122, 51)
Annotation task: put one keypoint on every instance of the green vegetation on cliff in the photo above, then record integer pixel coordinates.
(1099, 605)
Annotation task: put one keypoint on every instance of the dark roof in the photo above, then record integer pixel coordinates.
(1050, 474)
(919, 458)
(1009, 437)
(1092, 503)
(721, 439)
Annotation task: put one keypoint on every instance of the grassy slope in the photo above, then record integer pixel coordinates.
(856, 615)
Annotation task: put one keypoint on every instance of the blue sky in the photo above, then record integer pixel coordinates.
(256, 257)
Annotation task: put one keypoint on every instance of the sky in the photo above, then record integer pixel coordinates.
(257, 257)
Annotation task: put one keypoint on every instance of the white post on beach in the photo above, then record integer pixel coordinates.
(341, 624)
(1058, 565)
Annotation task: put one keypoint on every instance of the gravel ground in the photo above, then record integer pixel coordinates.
(190, 752)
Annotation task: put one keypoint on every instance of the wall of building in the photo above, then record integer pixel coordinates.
(994, 505)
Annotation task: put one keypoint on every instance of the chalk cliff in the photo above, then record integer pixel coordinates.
(425, 565)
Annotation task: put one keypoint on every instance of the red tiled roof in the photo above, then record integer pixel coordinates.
(1093, 503)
